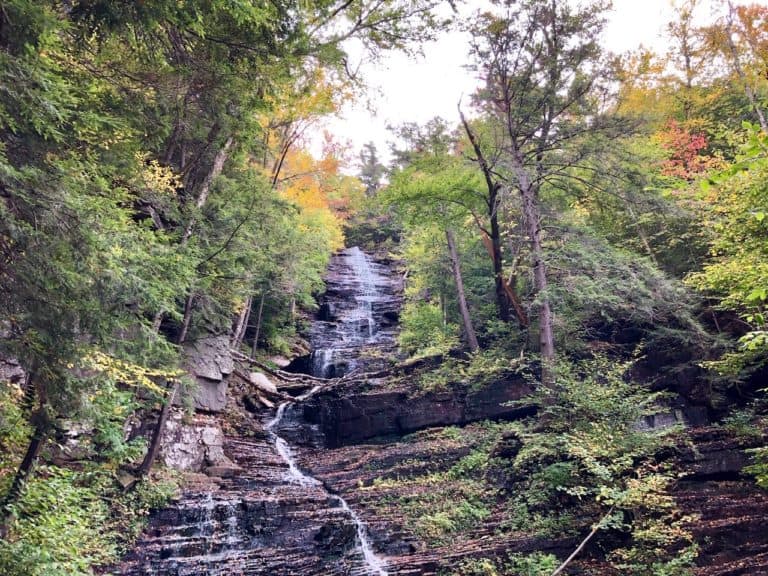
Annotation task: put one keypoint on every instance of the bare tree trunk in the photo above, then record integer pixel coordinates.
(469, 330)
(443, 310)
(157, 432)
(258, 325)
(205, 186)
(736, 63)
(186, 321)
(41, 427)
(502, 303)
(583, 543)
(39, 435)
(532, 217)
(242, 322)
(498, 266)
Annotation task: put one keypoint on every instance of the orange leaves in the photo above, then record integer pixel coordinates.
(319, 184)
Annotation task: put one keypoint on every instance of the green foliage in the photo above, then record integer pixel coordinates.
(606, 293)
(57, 527)
(737, 271)
(424, 331)
(536, 564)
(759, 468)
(66, 522)
(588, 449)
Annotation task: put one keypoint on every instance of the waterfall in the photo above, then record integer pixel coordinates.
(374, 564)
(357, 290)
(366, 293)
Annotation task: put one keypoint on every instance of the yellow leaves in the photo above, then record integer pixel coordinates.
(160, 179)
(129, 373)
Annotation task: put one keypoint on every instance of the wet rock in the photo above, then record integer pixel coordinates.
(356, 325)
(254, 523)
(223, 471)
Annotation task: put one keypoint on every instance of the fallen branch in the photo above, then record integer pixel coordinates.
(580, 547)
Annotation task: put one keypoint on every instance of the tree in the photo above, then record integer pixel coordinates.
(371, 170)
(741, 39)
(541, 66)
(432, 190)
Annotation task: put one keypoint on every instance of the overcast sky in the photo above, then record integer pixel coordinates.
(415, 90)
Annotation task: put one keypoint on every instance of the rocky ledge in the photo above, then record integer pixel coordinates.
(359, 411)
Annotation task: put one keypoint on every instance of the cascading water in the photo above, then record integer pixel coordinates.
(366, 293)
(374, 564)
(359, 292)
(268, 517)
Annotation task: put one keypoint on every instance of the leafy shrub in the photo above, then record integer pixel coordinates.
(56, 527)
(423, 332)
(586, 451)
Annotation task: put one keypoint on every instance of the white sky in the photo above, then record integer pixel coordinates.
(416, 90)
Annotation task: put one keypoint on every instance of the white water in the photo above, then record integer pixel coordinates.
(366, 278)
(356, 327)
(321, 360)
(374, 564)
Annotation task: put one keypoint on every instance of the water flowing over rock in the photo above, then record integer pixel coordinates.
(356, 326)
(268, 517)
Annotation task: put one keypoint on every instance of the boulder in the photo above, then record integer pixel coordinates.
(195, 446)
(11, 371)
(210, 395)
(209, 360)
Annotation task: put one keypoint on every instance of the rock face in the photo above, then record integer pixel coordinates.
(350, 418)
(257, 523)
(196, 446)
(11, 371)
(383, 447)
(210, 361)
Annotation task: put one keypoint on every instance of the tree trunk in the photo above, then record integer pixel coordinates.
(532, 217)
(498, 266)
(205, 187)
(502, 303)
(157, 432)
(736, 63)
(258, 325)
(469, 330)
(186, 321)
(40, 428)
(39, 434)
(242, 322)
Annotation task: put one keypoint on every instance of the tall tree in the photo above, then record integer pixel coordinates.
(371, 170)
(541, 65)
